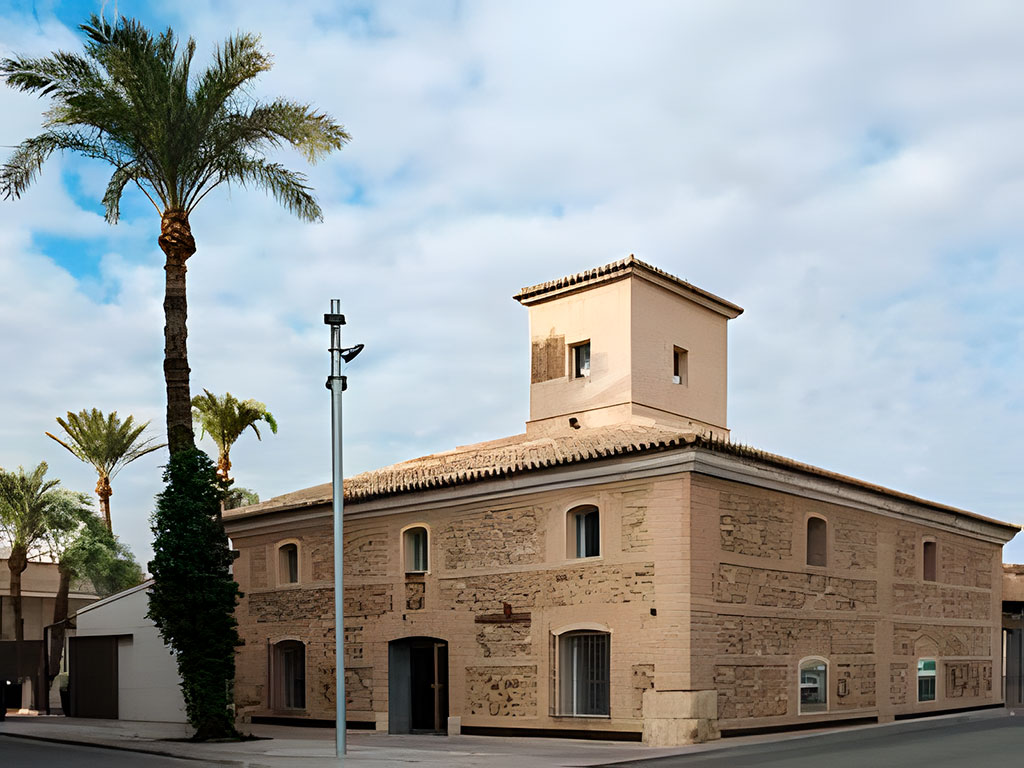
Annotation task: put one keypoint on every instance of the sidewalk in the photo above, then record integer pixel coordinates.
(314, 747)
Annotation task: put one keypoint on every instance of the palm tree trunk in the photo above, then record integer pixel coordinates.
(178, 245)
(17, 563)
(104, 491)
(60, 615)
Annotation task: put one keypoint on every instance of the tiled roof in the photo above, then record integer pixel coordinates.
(515, 455)
(614, 271)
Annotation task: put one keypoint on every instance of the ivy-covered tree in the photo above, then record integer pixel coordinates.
(191, 558)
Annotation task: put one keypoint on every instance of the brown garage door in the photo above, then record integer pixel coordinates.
(92, 663)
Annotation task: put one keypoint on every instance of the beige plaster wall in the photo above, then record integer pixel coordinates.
(661, 321)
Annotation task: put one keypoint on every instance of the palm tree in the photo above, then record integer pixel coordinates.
(225, 419)
(132, 101)
(29, 505)
(107, 443)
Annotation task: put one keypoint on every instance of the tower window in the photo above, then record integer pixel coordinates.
(679, 366)
(581, 360)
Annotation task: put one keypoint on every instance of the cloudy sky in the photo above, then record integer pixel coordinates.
(853, 177)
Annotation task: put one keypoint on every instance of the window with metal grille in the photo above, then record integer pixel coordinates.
(416, 560)
(926, 679)
(289, 667)
(584, 673)
(584, 532)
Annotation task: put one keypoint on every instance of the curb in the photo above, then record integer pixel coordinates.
(837, 735)
(122, 747)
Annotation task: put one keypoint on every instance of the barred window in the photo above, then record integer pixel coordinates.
(584, 673)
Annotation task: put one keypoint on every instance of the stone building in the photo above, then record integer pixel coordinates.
(621, 567)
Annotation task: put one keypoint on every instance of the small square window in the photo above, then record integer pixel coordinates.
(679, 366)
(581, 360)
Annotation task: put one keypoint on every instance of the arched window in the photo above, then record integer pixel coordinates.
(929, 560)
(288, 563)
(817, 541)
(813, 686)
(583, 532)
(288, 665)
(584, 673)
(415, 542)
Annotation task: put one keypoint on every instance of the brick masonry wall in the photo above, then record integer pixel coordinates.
(746, 691)
(968, 679)
(741, 585)
(755, 525)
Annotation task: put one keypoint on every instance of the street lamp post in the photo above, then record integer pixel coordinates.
(337, 383)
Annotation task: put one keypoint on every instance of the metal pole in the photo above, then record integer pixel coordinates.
(336, 384)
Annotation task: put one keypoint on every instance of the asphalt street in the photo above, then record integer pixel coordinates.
(29, 753)
(983, 744)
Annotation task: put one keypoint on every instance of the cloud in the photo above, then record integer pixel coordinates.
(855, 185)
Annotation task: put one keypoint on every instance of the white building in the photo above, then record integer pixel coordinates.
(120, 667)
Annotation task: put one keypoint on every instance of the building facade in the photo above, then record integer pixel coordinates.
(22, 673)
(622, 567)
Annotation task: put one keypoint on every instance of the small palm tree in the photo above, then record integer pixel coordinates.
(133, 101)
(29, 506)
(225, 419)
(107, 443)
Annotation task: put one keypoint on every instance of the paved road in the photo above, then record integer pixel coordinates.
(997, 743)
(26, 753)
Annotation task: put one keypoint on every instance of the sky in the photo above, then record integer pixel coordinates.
(851, 174)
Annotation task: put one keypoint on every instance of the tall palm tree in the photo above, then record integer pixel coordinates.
(132, 101)
(225, 419)
(107, 443)
(29, 505)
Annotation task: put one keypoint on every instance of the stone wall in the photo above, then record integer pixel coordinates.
(492, 539)
(752, 691)
(764, 636)
(755, 525)
(946, 640)
(968, 679)
(636, 536)
(899, 673)
(590, 583)
(964, 565)
(741, 585)
(502, 692)
(855, 544)
(643, 680)
(934, 601)
(853, 685)
(504, 640)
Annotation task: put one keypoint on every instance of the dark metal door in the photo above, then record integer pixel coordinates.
(418, 685)
(92, 666)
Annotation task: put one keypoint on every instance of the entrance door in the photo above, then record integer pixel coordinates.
(92, 664)
(418, 685)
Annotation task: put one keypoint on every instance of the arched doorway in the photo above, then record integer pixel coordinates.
(418, 685)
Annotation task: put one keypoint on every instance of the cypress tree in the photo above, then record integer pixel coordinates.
(193, 598)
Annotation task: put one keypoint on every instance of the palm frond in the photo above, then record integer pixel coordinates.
(105, 442)
(23, 166)
(225, 418)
